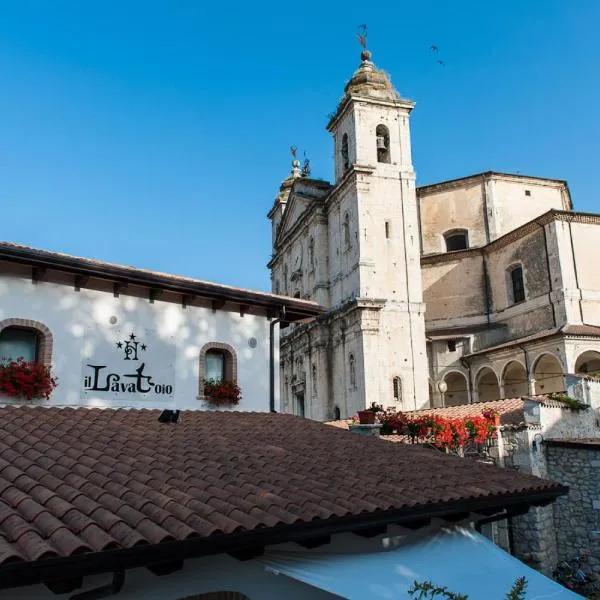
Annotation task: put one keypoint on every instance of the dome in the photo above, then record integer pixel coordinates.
(370, 81)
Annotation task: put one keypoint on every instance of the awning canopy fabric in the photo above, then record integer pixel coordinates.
(460, 559)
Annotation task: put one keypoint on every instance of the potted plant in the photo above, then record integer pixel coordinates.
(492, 415)
(221, 392)
(26, 379)
(367, 417)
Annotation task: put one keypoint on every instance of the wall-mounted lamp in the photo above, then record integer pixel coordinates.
(443, 387)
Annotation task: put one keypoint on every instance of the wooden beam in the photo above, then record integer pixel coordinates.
(165, 568)
(80, 281)
(37, 274)
(315, 542)
(186, 300)
(371, 531)
(118, 287)
(247, 553)
(217, 304)
(243, 309)
(415, 524)
(154, 294)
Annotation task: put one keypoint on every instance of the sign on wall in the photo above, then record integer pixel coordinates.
(131, 365)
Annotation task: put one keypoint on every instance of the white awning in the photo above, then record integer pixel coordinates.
(460, 559)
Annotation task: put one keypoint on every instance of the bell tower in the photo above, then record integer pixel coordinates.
(374, 222)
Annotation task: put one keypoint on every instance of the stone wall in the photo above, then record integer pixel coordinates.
(577, 515)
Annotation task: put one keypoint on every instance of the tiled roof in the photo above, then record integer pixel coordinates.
(85, 481)
(511, 411)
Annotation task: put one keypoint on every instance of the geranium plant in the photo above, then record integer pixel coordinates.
(26, 379)
(222, 392)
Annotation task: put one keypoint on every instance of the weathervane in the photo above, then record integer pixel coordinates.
(293, 151)
(362, 36)
(365, 55)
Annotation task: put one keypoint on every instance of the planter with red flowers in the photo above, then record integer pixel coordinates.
(26, 380)
(221, 392)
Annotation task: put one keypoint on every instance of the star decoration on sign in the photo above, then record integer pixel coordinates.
(132, 337)
(119, 344)
(143, 347)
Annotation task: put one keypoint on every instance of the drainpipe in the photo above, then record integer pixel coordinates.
(272, 359)
(465, 363)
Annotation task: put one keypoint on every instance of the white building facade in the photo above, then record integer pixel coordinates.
(121, 337)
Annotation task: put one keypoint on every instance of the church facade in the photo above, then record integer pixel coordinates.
(467, 290)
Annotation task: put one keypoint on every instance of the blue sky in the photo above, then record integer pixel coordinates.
(156, 134)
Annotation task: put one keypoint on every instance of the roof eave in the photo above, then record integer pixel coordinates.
(16, 574)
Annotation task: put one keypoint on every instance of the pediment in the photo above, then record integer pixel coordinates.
(297, 207)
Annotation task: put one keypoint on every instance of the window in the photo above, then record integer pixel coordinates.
(214, 365)
(346, 228)
(528, 192)
(311, 254)
(345, 154)
(314, 379)
(387, 230)
(382, 140)
(517, 284)
(17, 342)
(451, 345)
(456, 239)
(25, 338)
(397, 387)
(352, 369)
(217, 361)
(337, 414)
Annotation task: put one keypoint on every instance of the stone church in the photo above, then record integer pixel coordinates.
(467, 290)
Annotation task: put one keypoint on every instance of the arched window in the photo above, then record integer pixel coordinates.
(24, 338)
(382, 138)
(516, 287)
(218, 361)
(345, 154)
(314, 379)
(457, 239)
(337, 415)
(346, 230)
(352, 369)
(19, 343)
(397, 388)
(311, 253)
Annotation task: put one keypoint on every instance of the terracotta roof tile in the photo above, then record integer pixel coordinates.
(88, 480)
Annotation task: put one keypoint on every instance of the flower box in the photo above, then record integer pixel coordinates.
(26, 380)
(222, 392)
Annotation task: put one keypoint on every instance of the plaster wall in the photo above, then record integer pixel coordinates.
(81, 321)
(513, 207)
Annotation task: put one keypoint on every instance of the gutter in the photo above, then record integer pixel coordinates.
(15, 574)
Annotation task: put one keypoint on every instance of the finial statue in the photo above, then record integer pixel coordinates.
(306, 167)
(362, 40)
(293, 151)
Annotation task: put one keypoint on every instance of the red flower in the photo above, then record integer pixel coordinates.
(26, 379)
(222, 392)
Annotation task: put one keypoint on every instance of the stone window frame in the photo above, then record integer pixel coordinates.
(231, 368)
(45, 338)
(352, 369)
(383, 155)
(397, 388)
(510, 292)
(347, 238)
(455, 233)
(345, 152)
